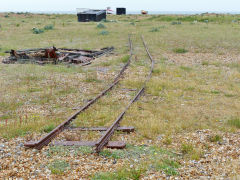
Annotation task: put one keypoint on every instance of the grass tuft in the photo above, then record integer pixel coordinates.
(37, 31)
(104, 33)
(234, 122)
(186, 148)
(180, 50)
(58, 167)
(215, 138)
(49, 27)
(48, 128)
(155, 29)
(101, 26)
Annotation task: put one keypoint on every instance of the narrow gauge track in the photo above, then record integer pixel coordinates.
(50, 136)
(105, 138)
(103, 141)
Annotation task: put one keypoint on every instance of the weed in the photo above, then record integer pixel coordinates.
(105, 21)
(205, 63)
(167, 141)
(48, 128)
(115, 154)
(235, 121)
(215, 138)
(180, 50)
(185, 68)
(49, 27)
(37, 31)
(104, 33)
(83, 150)
(132, 23)
(196, 154)
(176, 23)
(58, 167)
(125, 59)
(17, 25)
(215, 92)
(168, 166)
(101, 26)
(186, 148)
(123, 174)
(154, 29)
(92, 78)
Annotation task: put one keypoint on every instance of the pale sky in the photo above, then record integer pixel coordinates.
(131, 5)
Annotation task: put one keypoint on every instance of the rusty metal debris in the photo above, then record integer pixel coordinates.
(55, 56)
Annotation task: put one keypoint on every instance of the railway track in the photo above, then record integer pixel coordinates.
(104, 140)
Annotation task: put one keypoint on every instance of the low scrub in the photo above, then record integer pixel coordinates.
(180, 50)
(215, 138)
(49, 27)
(104, 33)
(154, 29)
(58, 167)
(101, 26)
(37, 31)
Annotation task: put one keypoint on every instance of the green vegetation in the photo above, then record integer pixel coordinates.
(101, 26)
(187, 92)
(215, 138)
(48, 128)
(49, 27)
(58, 167)
(234, 122)
(180, 50)
(37, 31)
(154, 29)
(123, 174)
(168, 166)
(104, 32)
(186, 148)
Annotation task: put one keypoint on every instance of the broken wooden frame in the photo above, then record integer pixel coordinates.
(53, 55)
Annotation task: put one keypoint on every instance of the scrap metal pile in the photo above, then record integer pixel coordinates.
(55, 56)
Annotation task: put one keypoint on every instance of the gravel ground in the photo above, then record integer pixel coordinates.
(219, 160)
(199, 58)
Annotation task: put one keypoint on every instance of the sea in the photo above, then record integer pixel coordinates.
(149, 12)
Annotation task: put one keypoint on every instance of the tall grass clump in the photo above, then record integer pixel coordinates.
(234, 122)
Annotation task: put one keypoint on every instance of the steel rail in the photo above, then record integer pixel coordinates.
(103, 141)
(50, 136)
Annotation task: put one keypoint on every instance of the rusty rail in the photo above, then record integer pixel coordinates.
(48, 138)
(103, 141)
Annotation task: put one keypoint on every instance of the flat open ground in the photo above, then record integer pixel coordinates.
(187, 123)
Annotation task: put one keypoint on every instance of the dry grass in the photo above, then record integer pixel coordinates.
(195, 90)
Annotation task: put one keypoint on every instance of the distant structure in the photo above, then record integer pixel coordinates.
(144, 12)
(86, 15)
(121, 11)
(109, 11)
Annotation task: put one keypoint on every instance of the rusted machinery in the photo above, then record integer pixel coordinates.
(54, 55)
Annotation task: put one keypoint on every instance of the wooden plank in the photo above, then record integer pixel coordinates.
(111, 144)
(123, 129)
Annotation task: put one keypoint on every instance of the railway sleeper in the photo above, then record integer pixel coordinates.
(111, 144)
(123, 129)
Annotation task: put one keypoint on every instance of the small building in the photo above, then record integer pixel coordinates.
(86, 15)
(121, 11)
